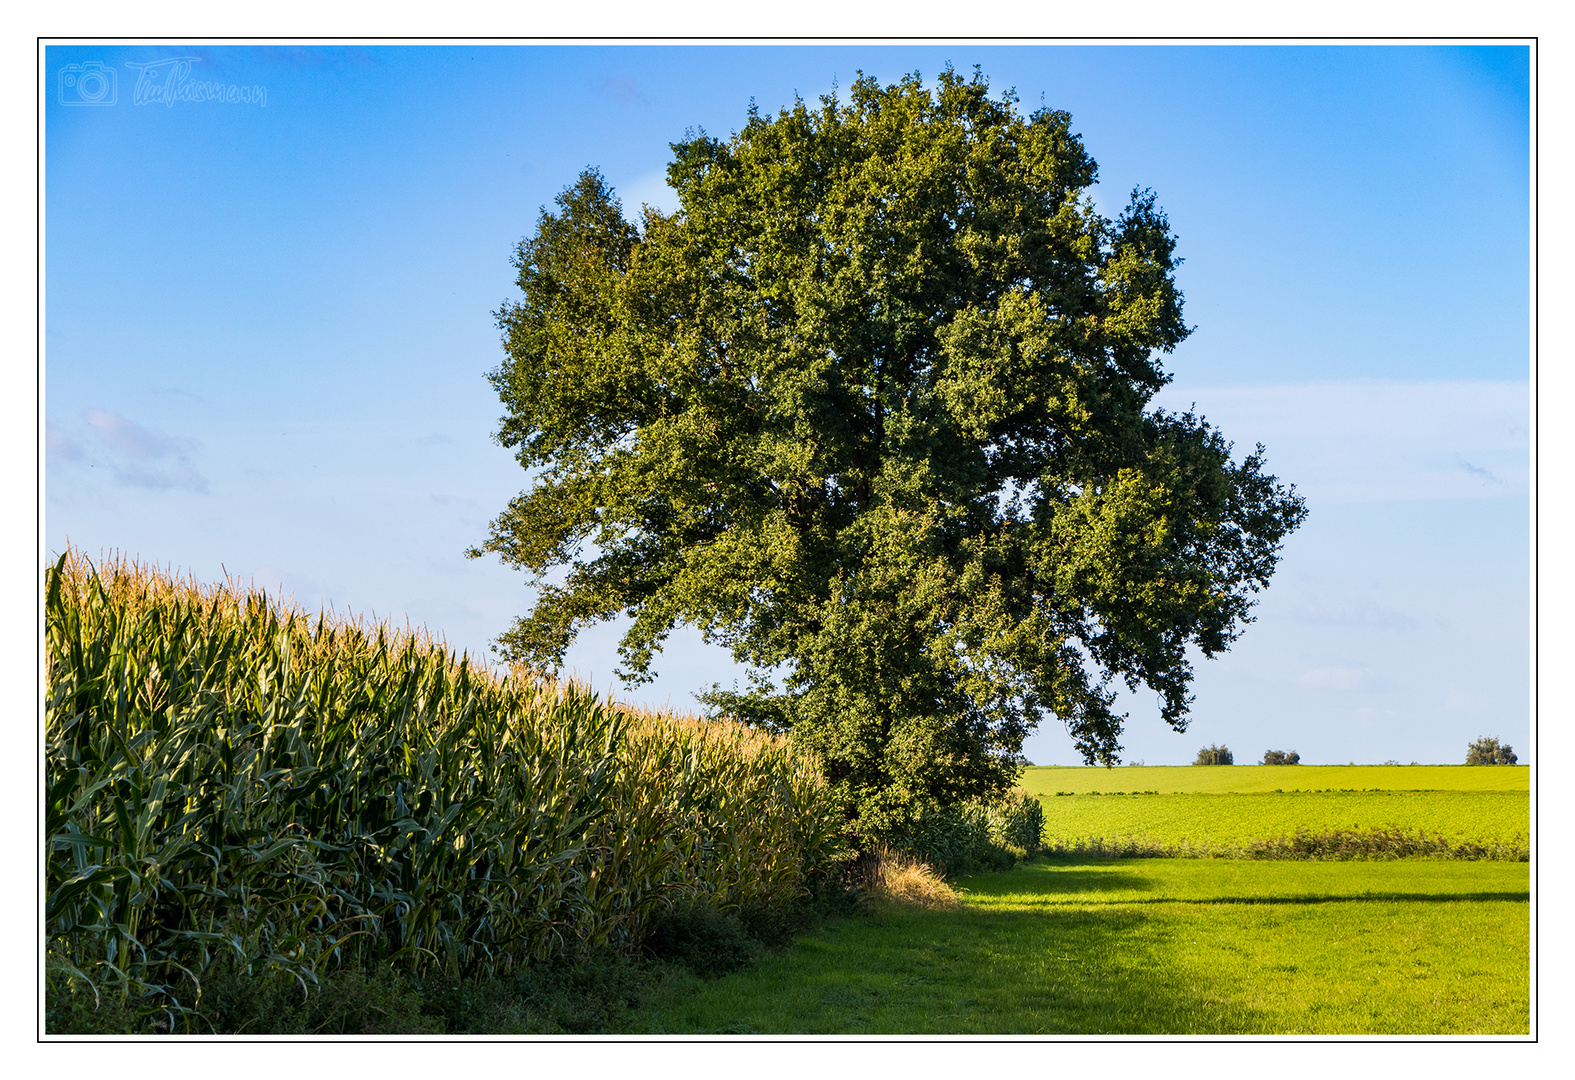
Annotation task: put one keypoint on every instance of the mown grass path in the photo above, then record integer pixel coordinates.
(1158, 946)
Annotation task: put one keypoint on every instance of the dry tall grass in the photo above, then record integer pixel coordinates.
(885, 878)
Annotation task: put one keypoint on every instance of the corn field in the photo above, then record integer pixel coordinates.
(231, 784)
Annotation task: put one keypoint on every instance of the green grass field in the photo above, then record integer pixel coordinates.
(1250, 779)
(1484, 816)
(1224, 807)
(1078, 945)
(1157, 946)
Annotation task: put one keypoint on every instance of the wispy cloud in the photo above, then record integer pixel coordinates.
(1375, 440)
(137, 456)
(1353, 613)
(1480, 473)
(60, 445)
(623, 88)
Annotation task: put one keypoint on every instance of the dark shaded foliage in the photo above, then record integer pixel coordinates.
(707, 941)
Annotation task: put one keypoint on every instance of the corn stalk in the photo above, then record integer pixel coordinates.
(231, 783)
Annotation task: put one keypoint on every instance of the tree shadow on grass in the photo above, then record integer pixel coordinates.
(1522, 896)
(968, 971)
(1096, 947)
(1058, 882)
(1068, 881)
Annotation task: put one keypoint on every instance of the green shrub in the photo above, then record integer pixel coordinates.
(1487, 751)
(72, 1006)
(707, 941)
(1017, 820)
(1214, 755)
(1278, 757)
(976, 836)
(950, 840)
(346, 1002)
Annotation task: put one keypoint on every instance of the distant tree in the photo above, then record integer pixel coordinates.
(1487, 751)
(872, 410)
(1281, 757)
(1215, 755)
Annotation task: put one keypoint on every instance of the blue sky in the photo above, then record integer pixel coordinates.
(268, 323)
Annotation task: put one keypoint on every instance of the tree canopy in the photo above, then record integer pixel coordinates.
(871, 409)
(1488, 751)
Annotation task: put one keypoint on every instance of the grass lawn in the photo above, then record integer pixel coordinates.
(1157, 946)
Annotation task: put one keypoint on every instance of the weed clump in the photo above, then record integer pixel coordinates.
(704, 939)
(885, 877)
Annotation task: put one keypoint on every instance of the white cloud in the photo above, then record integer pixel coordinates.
(137, 455)
(60, 445)
(1374, 440)
(128, 436)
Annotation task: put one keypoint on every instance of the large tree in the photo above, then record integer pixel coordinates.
(872, 410)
